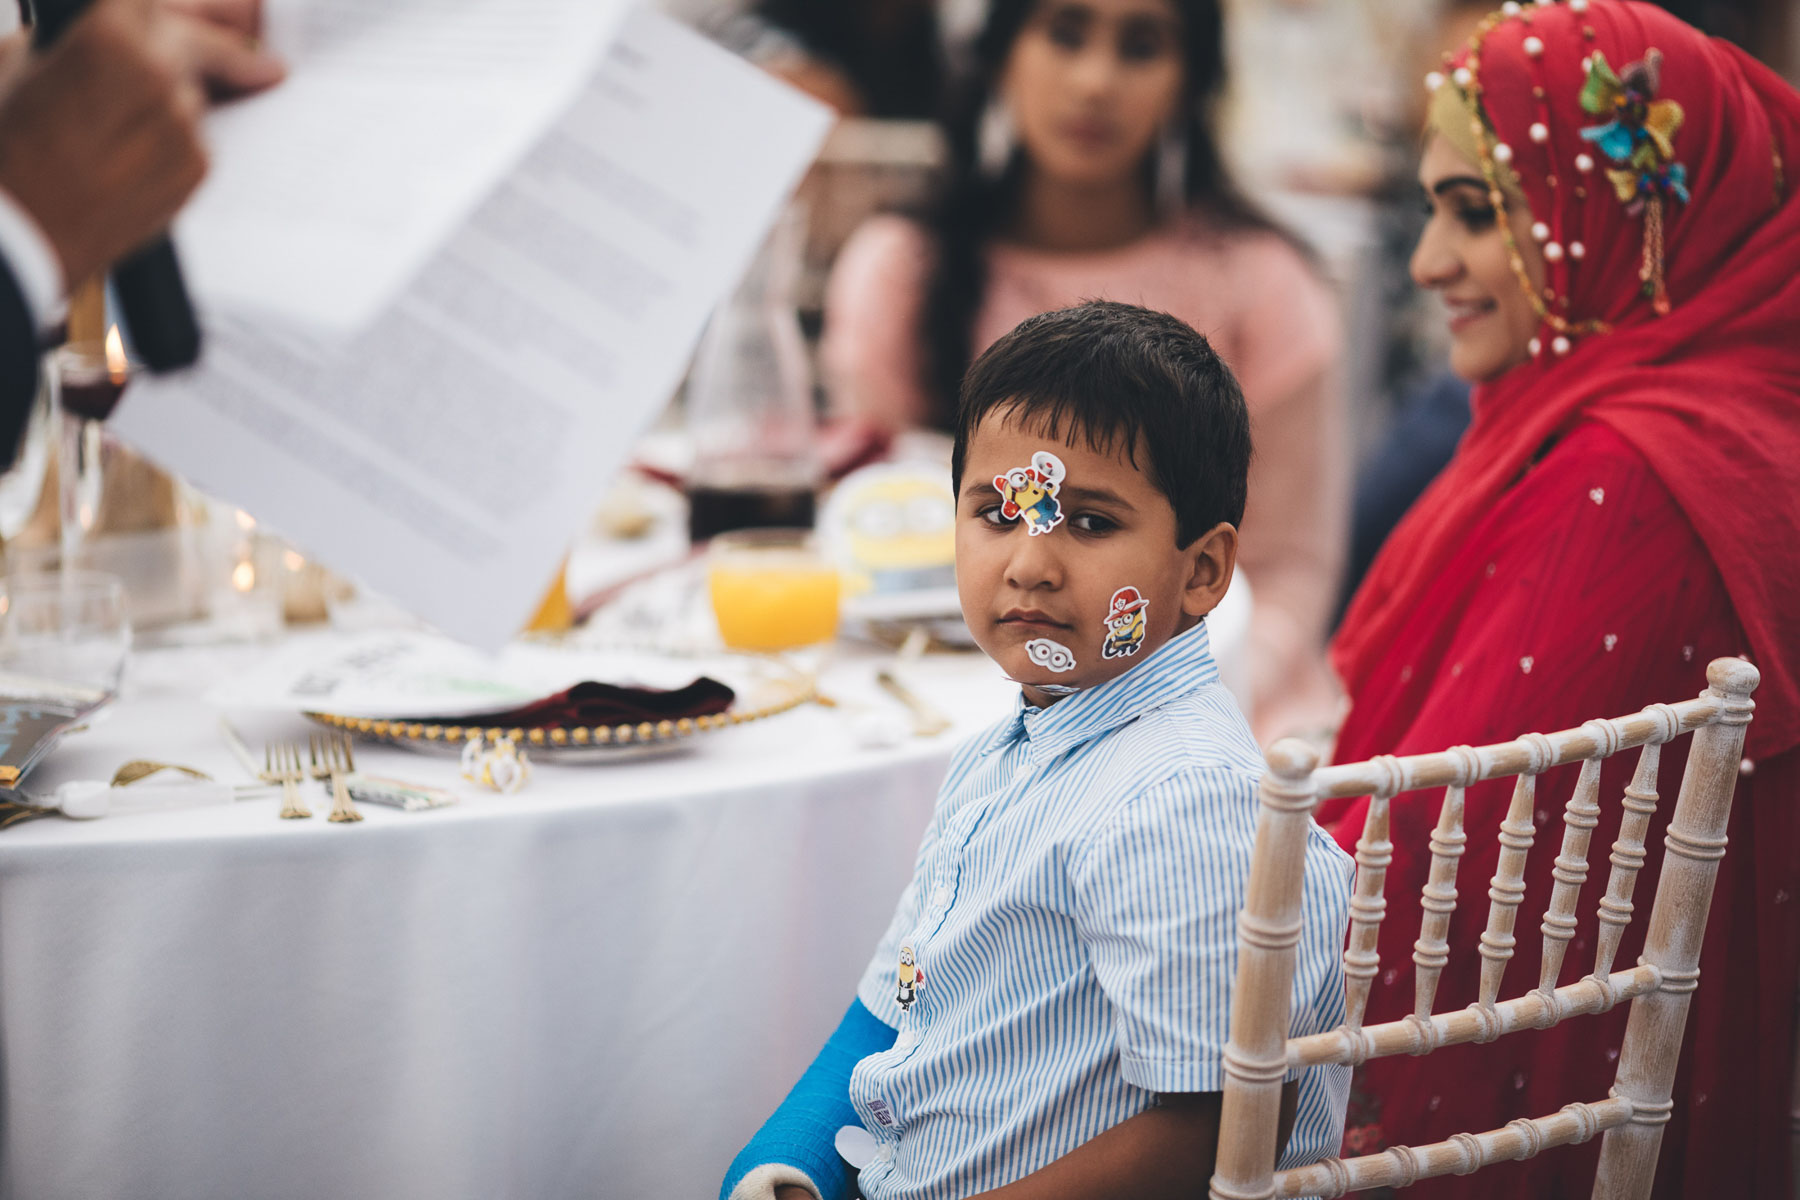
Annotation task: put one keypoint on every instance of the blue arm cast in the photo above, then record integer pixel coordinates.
(803, 1130)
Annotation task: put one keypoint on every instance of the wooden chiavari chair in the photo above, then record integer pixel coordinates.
(1659, 987)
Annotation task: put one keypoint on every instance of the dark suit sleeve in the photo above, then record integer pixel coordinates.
(18, 364)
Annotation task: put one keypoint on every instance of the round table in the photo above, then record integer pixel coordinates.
(596, 987)
(599, 986)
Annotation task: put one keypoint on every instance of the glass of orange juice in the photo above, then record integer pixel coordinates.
(772, 589)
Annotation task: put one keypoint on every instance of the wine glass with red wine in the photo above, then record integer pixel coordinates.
(88, 387)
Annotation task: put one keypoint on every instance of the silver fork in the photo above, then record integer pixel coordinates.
(332, 759)
(281, 764)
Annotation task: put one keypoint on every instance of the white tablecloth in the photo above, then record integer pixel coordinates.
(598, 987)
(595, 988)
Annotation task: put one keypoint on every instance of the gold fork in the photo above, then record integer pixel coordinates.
(281, 764)
(332, 759)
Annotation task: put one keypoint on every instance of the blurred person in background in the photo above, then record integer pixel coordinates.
(1083, 164)
(99, 148)
(1615, 236)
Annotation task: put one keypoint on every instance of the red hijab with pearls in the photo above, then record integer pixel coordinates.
(1709, 393)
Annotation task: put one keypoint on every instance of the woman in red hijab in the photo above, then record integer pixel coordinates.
(1617, 240)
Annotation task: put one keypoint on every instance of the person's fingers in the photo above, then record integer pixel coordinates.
(224, 61)
(243, 16)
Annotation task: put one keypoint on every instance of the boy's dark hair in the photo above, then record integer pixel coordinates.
(1123, 375)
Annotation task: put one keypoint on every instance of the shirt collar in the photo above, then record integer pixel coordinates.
(1181, 665)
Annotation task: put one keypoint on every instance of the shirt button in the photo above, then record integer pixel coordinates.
(907, 1040)
(886, 1152)
(941, 896)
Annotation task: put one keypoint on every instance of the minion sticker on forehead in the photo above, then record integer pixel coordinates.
(1030, 493)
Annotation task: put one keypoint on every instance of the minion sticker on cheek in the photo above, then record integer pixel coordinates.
(1052, 656)
(1030, 493)
(1124, 624)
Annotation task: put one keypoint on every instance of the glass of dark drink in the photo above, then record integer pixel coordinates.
(88, 383)
(750, 404)
(726, 505)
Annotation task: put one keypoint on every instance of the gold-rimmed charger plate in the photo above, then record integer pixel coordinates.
(584, 743)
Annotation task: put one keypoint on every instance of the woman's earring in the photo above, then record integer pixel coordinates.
(1171, 170)
(995, 140)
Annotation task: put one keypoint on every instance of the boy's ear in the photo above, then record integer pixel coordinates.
(1211, 559)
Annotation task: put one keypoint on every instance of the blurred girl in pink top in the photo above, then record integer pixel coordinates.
(1083, 166)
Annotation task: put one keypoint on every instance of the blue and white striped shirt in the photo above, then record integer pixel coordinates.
(1072, 917)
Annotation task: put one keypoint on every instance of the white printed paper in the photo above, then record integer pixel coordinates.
(446, 453)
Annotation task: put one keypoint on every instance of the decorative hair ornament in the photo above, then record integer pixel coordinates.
(1640, 137)
(1497, 157)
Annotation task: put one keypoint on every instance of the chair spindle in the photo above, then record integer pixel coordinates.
(1627, 858)
(1580, 816)
(1432, 950)
(1368, 905)
(1507, 888)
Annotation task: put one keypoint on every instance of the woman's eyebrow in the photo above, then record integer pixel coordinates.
(1456, 181)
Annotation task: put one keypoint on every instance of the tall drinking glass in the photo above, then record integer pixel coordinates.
(22, 484)
(750, 403)
(88, 387)
(67, 632)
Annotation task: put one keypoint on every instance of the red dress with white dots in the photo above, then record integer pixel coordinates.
(1584, 592)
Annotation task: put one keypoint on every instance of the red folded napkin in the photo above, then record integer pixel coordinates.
(593, 703)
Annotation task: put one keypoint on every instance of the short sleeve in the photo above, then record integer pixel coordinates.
(1158, 895)
(870, 353)
(1157, 898)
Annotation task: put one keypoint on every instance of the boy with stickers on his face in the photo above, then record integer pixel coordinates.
(1048, 1011)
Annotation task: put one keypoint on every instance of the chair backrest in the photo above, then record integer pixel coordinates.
(1260, 1052)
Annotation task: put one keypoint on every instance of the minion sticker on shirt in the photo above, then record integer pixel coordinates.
(1030, 493)
(1124, 624)
(911, 978)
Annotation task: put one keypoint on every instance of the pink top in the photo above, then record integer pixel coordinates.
(1270, 317)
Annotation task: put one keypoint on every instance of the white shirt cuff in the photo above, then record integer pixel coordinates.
(761, 1183)
(34, 264)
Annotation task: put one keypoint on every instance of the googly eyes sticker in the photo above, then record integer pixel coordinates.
(1030, 493)
(1124, 624)
(1052, 656)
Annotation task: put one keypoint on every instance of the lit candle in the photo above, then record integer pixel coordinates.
(117, 367)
